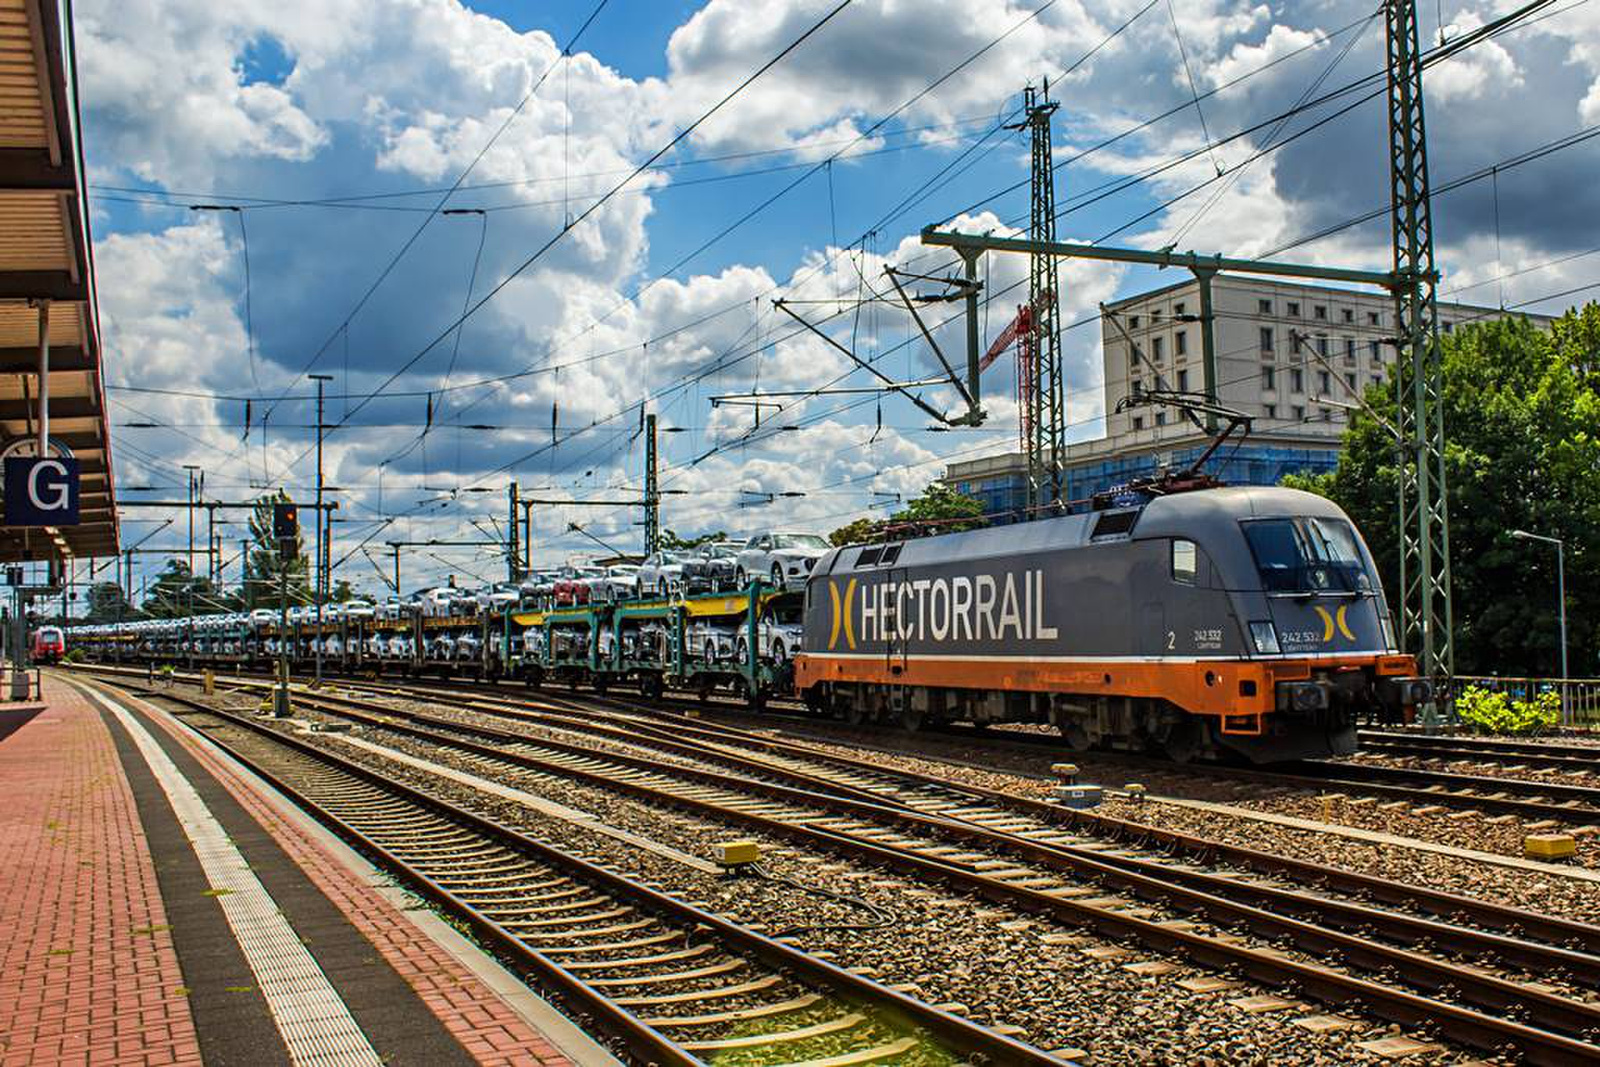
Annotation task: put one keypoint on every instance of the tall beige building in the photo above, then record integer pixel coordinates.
(1289, 355)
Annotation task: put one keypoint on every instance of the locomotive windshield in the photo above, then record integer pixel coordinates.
(1307, 555)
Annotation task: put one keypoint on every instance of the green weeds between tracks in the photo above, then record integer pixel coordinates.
(1489, 712)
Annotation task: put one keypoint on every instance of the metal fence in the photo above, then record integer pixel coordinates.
(1583, 694)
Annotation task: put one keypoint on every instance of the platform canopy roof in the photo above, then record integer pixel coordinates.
(47, 276)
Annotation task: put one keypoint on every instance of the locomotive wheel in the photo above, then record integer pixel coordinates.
(912, 720)
(1184, 741)
(853, 713)
(1075, 736)
(650, 687)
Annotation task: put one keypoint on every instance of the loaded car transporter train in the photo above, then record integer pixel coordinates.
(1235, 622)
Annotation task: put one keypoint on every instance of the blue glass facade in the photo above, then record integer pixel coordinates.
(1004, 495)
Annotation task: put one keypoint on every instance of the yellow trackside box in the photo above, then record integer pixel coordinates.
(739, 853)
(1549, 846)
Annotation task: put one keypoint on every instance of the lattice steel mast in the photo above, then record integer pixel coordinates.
(1043, 393)
(1426, 622)
(652, 489)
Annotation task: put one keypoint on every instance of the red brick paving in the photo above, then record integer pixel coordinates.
(88, 973)
(473, 1013)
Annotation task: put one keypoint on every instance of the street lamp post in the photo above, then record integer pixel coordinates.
(1561, 607)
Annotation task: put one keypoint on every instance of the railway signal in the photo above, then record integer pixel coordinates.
(286, 529)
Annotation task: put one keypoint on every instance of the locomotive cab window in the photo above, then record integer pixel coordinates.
(1307, 555)
(1185, 561)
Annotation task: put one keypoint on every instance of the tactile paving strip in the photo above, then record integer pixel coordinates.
(313, 1019)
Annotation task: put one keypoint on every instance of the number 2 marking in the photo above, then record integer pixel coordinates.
(1172, 639)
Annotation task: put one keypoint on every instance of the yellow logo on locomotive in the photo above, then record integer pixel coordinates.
(1330, 620)
(841, 614)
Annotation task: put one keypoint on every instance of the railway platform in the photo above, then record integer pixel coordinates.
(162, 905)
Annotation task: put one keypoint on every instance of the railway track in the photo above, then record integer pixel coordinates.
(1530, 800)
(1578, 760)
(1022, 855)
(670, 982)
(1496, 794)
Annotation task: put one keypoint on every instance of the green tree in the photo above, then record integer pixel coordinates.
(178, 592)
(1522, 426)
(938, 510)
(265, 569)
(108, 603)
(671, 541)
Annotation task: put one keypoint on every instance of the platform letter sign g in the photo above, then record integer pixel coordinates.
(41, 492)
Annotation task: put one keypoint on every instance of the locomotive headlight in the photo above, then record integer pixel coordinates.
(1265, 636)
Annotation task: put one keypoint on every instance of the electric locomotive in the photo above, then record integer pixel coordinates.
(1239, 621)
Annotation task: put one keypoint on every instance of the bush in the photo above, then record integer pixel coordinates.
(74, 655)
(1541, 713)
(1490, 712)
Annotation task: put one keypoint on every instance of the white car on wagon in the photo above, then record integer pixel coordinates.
(783, 559)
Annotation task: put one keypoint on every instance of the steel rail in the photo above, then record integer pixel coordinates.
(1468, 1025)
(1553, 929)
(617, 1021)
(1579, 800)
(1509, 744)
(1556, 930)
(1577, 757)
(963, 1034)
(1583, 966)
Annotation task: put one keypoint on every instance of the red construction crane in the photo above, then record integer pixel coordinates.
(1023, 332)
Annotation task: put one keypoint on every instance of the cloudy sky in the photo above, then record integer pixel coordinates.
(405, 173)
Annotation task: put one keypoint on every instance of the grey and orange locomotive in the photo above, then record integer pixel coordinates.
(1242, 620)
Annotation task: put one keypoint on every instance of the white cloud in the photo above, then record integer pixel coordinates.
(871, 58)
(1485, 69)
(404, 93)
(171, 79)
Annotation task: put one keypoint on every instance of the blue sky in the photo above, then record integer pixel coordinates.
(381, 106)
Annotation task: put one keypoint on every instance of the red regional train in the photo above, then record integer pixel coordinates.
(49, 644)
